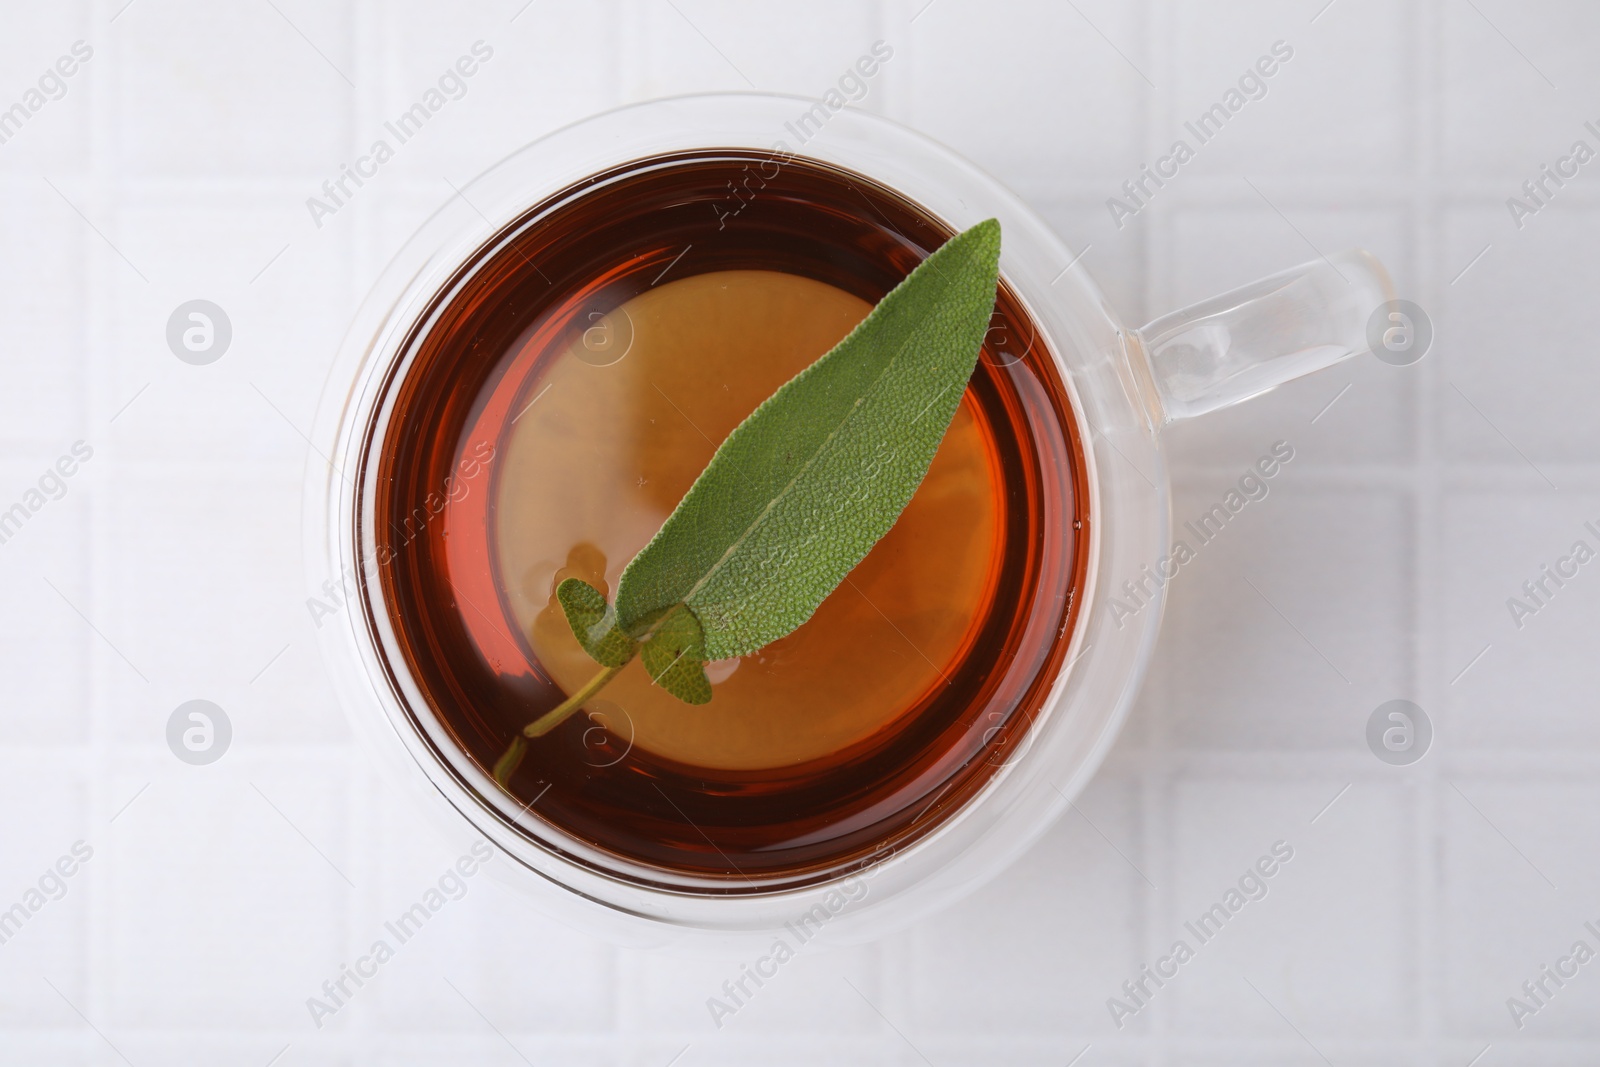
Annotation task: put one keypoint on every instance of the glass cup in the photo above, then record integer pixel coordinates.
(1125, 385)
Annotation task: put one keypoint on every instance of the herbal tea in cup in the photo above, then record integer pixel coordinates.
(593, 364)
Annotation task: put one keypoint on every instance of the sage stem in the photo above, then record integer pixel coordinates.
(507, 764)
(559, 714)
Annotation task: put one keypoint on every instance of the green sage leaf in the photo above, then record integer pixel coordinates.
(674, 655)
(594, 623)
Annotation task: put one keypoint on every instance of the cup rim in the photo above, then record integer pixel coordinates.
(1089, 698)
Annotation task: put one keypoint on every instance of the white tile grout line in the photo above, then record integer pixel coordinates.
(101, 138)
(1427, 572)
(353, 246)
(1156, 806)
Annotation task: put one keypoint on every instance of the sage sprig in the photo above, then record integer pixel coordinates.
(797, 494)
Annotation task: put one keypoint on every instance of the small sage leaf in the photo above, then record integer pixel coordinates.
(674, 655)
(594, 623)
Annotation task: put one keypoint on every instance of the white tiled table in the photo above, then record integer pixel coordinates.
(177, 165)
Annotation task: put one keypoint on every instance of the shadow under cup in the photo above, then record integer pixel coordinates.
(489, 351)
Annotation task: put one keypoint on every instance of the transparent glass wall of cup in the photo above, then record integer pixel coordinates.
(1125, 384)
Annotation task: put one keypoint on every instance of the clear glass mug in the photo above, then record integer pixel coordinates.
(1125, 385)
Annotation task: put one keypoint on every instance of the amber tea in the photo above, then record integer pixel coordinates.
(591, 360)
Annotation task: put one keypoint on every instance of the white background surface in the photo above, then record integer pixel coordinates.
(178, 165)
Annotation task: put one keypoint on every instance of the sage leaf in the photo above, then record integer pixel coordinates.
(674, 654)
(594, 623)
(801, 490)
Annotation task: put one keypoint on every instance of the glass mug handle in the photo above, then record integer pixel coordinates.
(1255, 338)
